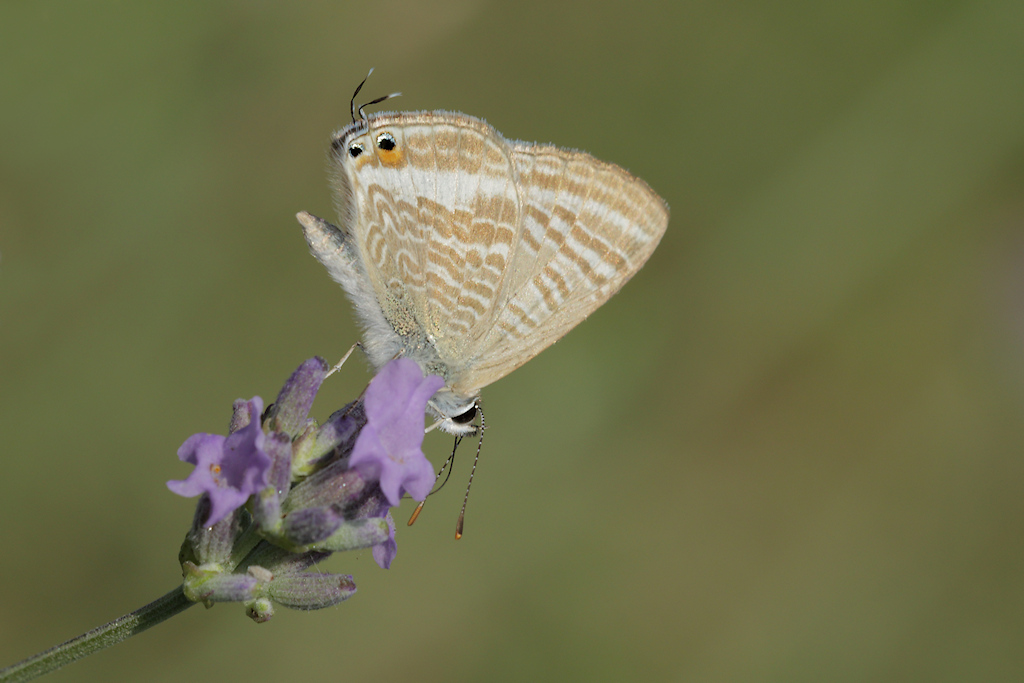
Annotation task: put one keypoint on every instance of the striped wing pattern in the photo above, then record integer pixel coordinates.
(484, 252)
(437, 222)
(586, 228)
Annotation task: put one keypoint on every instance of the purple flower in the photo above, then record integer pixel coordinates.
(384, 553)
(228, 469)
(389, 448)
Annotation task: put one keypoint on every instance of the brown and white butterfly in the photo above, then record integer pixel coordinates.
(470, 253)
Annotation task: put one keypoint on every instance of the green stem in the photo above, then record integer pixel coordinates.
(98, 639)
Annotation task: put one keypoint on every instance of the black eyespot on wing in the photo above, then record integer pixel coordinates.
(386, 141)
(466, 417)
(355, 150)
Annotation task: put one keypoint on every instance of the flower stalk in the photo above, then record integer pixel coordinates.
(98, 639)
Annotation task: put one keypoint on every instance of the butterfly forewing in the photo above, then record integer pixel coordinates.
(437, 225)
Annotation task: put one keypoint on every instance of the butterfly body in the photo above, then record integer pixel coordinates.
(470, 253)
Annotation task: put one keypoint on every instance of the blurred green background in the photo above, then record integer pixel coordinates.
(789, 450)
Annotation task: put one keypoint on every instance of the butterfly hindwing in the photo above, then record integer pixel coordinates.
(587, 227)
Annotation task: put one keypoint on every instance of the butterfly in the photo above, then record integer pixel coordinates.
(470, 253)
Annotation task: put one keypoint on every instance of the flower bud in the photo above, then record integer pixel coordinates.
(289, 412)
(211, 545)
(267, 503)
(210, 586)
(331, 441)
(305, 527)
(335, 485)
(308, 591)
(361, 533)
(259, 610)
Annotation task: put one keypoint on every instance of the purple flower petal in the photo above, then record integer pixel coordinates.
(228, 469)
(384, 553)
(389, 448)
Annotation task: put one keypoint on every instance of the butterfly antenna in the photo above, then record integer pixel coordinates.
(450, 462)
(479, 443)
(352, 102)
(376, 101)
(451, 459)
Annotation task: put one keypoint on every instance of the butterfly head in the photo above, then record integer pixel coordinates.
(360, 144)
(456, 415)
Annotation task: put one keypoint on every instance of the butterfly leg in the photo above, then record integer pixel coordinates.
(344, 358)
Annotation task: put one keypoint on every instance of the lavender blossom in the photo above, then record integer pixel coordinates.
(282, 492)
(228, 469)
(384, 553)
(389, 448)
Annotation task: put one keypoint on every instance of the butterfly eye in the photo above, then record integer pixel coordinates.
(355, 150)
(386, 141)
(466, 417)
